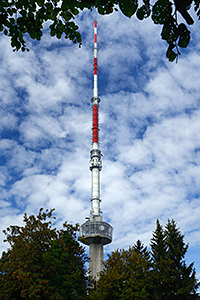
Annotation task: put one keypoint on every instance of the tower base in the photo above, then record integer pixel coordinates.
(96, 260)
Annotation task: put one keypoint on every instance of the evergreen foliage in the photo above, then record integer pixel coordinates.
(173, 279)
(141, 249)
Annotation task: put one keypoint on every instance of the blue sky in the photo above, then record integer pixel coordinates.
(149, 121)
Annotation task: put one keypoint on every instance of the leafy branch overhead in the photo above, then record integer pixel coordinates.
(20, 17)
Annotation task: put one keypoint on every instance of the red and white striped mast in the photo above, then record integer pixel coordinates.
(95, 153)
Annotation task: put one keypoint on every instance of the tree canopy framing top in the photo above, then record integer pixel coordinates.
(19, 17)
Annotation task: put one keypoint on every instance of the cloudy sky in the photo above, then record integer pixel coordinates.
(149, 121)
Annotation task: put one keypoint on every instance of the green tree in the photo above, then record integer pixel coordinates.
(158, 246)
(19, 17)
(173, 279)
(126, 275)
(160, 273)
(42, 262)
(141, 249)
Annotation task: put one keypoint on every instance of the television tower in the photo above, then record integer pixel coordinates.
(94, 232)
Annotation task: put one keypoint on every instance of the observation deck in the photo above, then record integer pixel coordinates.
(96, 232)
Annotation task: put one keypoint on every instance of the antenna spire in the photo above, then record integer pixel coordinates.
(95, 153)
(95, 60)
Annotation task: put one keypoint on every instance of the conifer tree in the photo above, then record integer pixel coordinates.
(173, 279)
(158, 245)
(158, 254)
(141, 249)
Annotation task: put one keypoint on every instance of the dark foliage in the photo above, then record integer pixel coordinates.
(158, 274)
(126, 275)
(42, 263)
(173, 279)
(20, 17)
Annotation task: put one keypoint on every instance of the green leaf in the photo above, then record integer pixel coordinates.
(10, 11)
(33, 34)
(128, 7)
(171, 55)
(143, 12)
(59, 34)
(75, 11)
(105, 7)
(184, 38)
(5, 32)
(12, 21)
(100, 10)
(161, 12)
(39, 35)
(78, 37)
(170, 31)
(40, 2)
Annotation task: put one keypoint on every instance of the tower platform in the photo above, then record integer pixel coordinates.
(96, 232)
